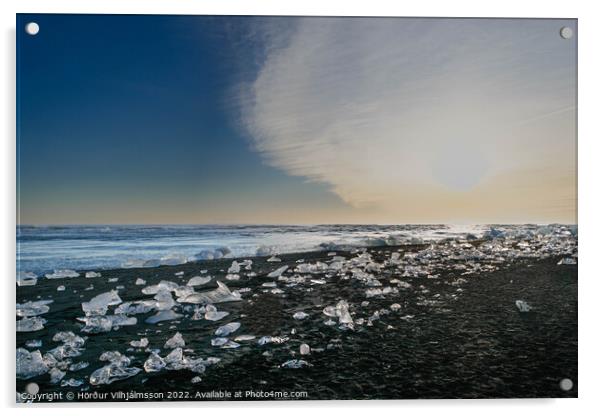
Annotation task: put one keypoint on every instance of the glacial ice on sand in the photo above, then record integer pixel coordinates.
(32, 324)
(198, 280)
(90, 275)
(300, 315)
(99, 304)
(71, 383)
(101, 323)
(242, 338)
(341, 311)
(272, 340)
(161, 316)
(33, 308)
(30, 364)
(163, 285)
(295, 364)
(56, 375)
(278, 272)
(523, 306)
(177, 341)
(34, 343)
(62, 273)
(154, 363)
(225, 330)
(212, 314)
(219, 295)
(117, 369)
(234, 268)
(142, 343)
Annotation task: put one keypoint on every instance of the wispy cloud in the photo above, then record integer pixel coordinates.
(421, 119)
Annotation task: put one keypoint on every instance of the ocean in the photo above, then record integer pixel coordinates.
(42, 249)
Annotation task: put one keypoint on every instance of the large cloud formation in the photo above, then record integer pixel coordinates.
(422, 120)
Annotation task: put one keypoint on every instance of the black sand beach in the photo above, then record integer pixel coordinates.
(448, 339)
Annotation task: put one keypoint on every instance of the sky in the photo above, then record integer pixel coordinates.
(209, 119)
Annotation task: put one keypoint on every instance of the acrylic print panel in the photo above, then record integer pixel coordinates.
(293, 208)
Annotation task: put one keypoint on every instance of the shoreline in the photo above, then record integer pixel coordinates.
(470, 343)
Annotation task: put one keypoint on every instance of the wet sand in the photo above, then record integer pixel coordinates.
(462, 341)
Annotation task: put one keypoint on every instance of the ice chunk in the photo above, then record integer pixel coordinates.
(30, 364)
(79, 366)
(117, 369)
(100, 323)
(234, 268)
(135, 308)
(278, 272)
(219, 295)
(295, 364)
(523, 306)
(395, 307)
(195, 380)
(154, 363)
(218, 342)
(232, 276)
(273, 259)
(567, 260)
(140, 282)
(142, 343)
(30, 308)
(72, 345)
(90, 275)
(318, 267)
(56, 375)
(304, 349)
(164, 300)
(230, 345)
(199, 280)
(300, 315)
(174, 358)
(163, 285)
(71, 383)
(32, 324)
(272, 340)
(225, 330)
(175, 342)
(99, 304)
(33, 343)
(242, 338)
(68, 337)
(60, 288)
(62, 273)
(212, 314)
(27, 279)
(161, 316)
(224, 343)
(341, 311)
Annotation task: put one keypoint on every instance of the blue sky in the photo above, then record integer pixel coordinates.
(184, 119)
(128, 119)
